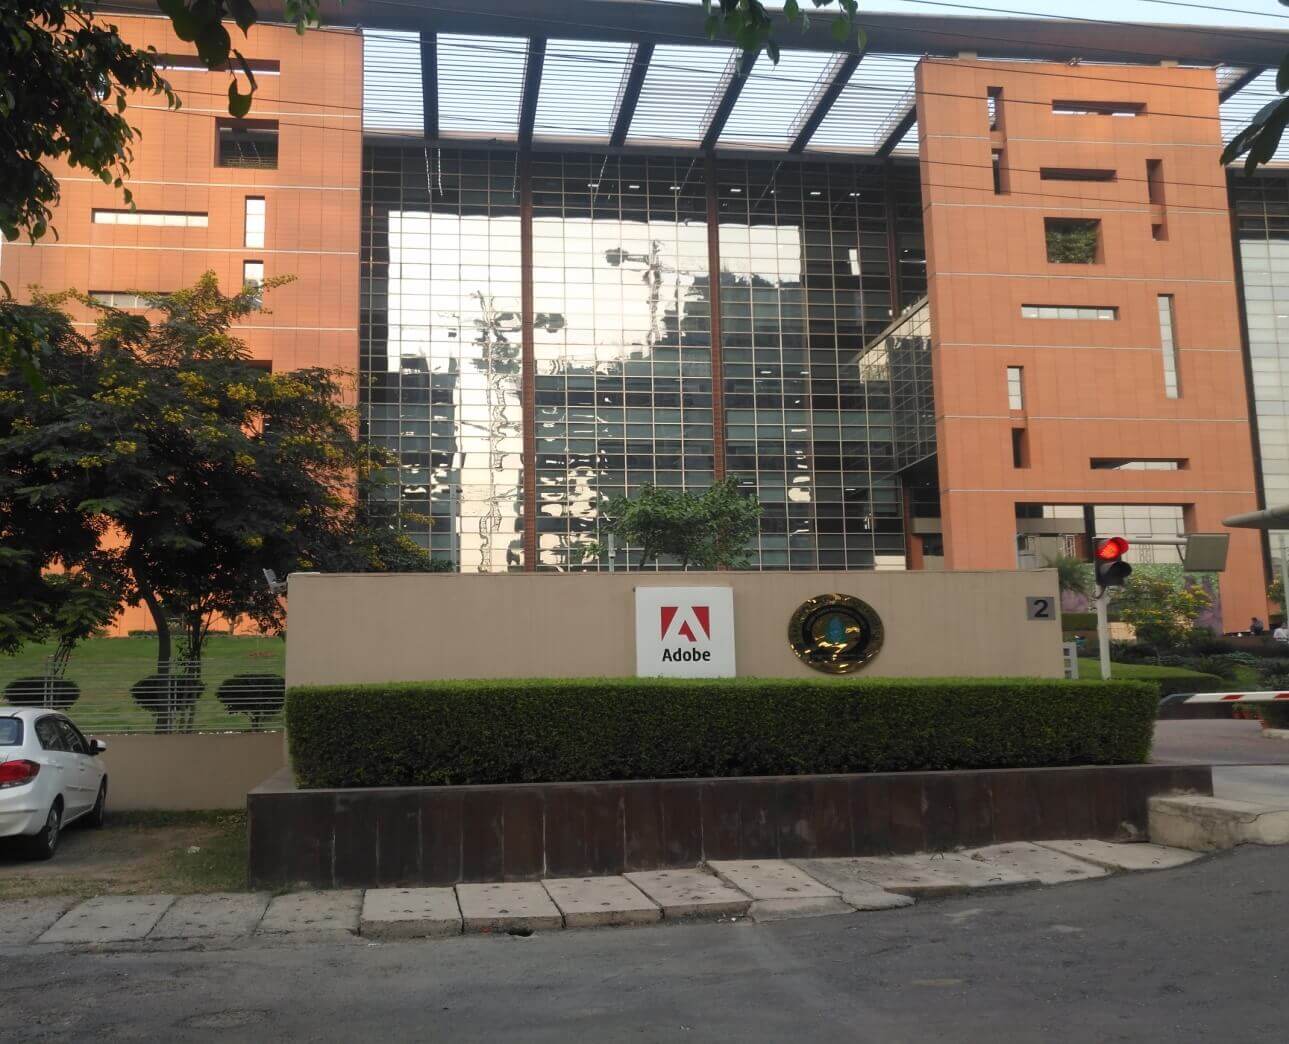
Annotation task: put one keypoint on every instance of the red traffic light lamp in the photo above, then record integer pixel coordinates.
(1111, 569)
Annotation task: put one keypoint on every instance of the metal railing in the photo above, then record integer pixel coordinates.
(105, 692)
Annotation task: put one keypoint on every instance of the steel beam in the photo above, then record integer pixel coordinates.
(740, 67)
(1234, 86)
(641, 56)
(532, 87)
(898, 131)
(430, 84)
(844, 70)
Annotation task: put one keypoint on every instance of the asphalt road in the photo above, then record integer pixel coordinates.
(1194, 954)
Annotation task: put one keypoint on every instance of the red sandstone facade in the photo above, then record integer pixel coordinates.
(311, 201)
(1093, 388)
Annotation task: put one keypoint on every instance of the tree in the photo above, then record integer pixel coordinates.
(160, 463)
(707, 531)
(1161, 610)
(1073, 575)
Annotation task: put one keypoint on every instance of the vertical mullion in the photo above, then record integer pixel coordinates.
(528, 373)
(714, 284)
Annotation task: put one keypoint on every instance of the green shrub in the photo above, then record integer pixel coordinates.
(169, 698)
(55, 693)
(258, 696)
(599, 729)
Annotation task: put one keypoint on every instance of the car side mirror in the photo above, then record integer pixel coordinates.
(97, 746)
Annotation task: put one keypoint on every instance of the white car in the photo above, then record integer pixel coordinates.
(50, 775)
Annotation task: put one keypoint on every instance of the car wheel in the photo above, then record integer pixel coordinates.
(45, 844)
(98, 814)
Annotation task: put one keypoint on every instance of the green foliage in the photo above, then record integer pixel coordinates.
(545, 730)
(204, 468)
(1167, 680)
(707, 531)
(1072, 241)
(1161, 610)
(258, 696)
(169, 698)
(56, 693)
(1276, 595)
(1073, 575)
(748, 24)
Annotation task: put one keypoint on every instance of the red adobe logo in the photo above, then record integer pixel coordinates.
(683, 624)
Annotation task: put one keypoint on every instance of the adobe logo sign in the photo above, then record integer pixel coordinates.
(685, 632)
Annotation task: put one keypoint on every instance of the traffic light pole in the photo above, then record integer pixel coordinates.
(1103, 632)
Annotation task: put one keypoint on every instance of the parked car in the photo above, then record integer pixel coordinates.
(50, 776)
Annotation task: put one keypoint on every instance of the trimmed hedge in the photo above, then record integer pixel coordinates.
(538, 731)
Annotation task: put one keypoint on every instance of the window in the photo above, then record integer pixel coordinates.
(72, 740)
(252, 273)
(1000, 175)
(254, 222)
(191, 63)
(1072, 241)
(119, 299)
(1098, 108)
(167, 218)
(1123, 464)
(994, 104)
(1020, 448)
(247, 143)
(1155, 190)
(10, 732)
(1015, 388)
(1168, 345)
(1028, 311)
(1076, 174)
(50, 735)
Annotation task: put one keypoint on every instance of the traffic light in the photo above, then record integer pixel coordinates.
(1111, 569)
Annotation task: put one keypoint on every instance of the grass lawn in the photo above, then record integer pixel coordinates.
(137, 853)
(105, 668)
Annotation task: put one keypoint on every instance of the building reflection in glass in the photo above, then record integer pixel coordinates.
(624, 381)
(444, 380)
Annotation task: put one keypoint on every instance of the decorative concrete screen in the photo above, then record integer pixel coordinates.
(353, 628)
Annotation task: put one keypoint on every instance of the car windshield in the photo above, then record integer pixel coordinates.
(10, 732)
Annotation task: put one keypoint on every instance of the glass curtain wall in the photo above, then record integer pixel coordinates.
(815, 258)
(622, 341)
(1262, 220)
(806, 280)
(441, 347)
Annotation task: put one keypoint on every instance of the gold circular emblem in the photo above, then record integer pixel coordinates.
(835, 633)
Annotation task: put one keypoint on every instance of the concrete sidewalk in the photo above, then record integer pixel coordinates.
(761, 890)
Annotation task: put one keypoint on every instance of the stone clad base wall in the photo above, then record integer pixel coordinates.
(449, 835)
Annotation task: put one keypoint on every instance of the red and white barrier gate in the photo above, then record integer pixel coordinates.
(1237, 697)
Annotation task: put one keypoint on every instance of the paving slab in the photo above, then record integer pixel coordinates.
(109, 919)
(935, 873)
(1207, 824)
(1136, 856)
(763, 910)
(843, 876)
(1040, 864)
(588, 902)
(298, 914)
(690, 893)
(766, 879)
(522, 906)
(22, 920)
(226, 915)
(410, 913)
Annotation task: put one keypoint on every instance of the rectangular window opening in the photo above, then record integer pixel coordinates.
(161, 218)
(1000, 173)
(1020, 448)
(1031, 311)
(252, 273)
(1139, 464)
(254, 230)
(1015, 387)
(119, 299)
(1155, 181)
(1168, 346)
(247, 143)
(994, 104)
(1098, 108)
(1073, 241)
(1076, 174)
(191, 63)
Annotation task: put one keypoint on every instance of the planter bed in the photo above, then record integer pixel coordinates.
(444, 835)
